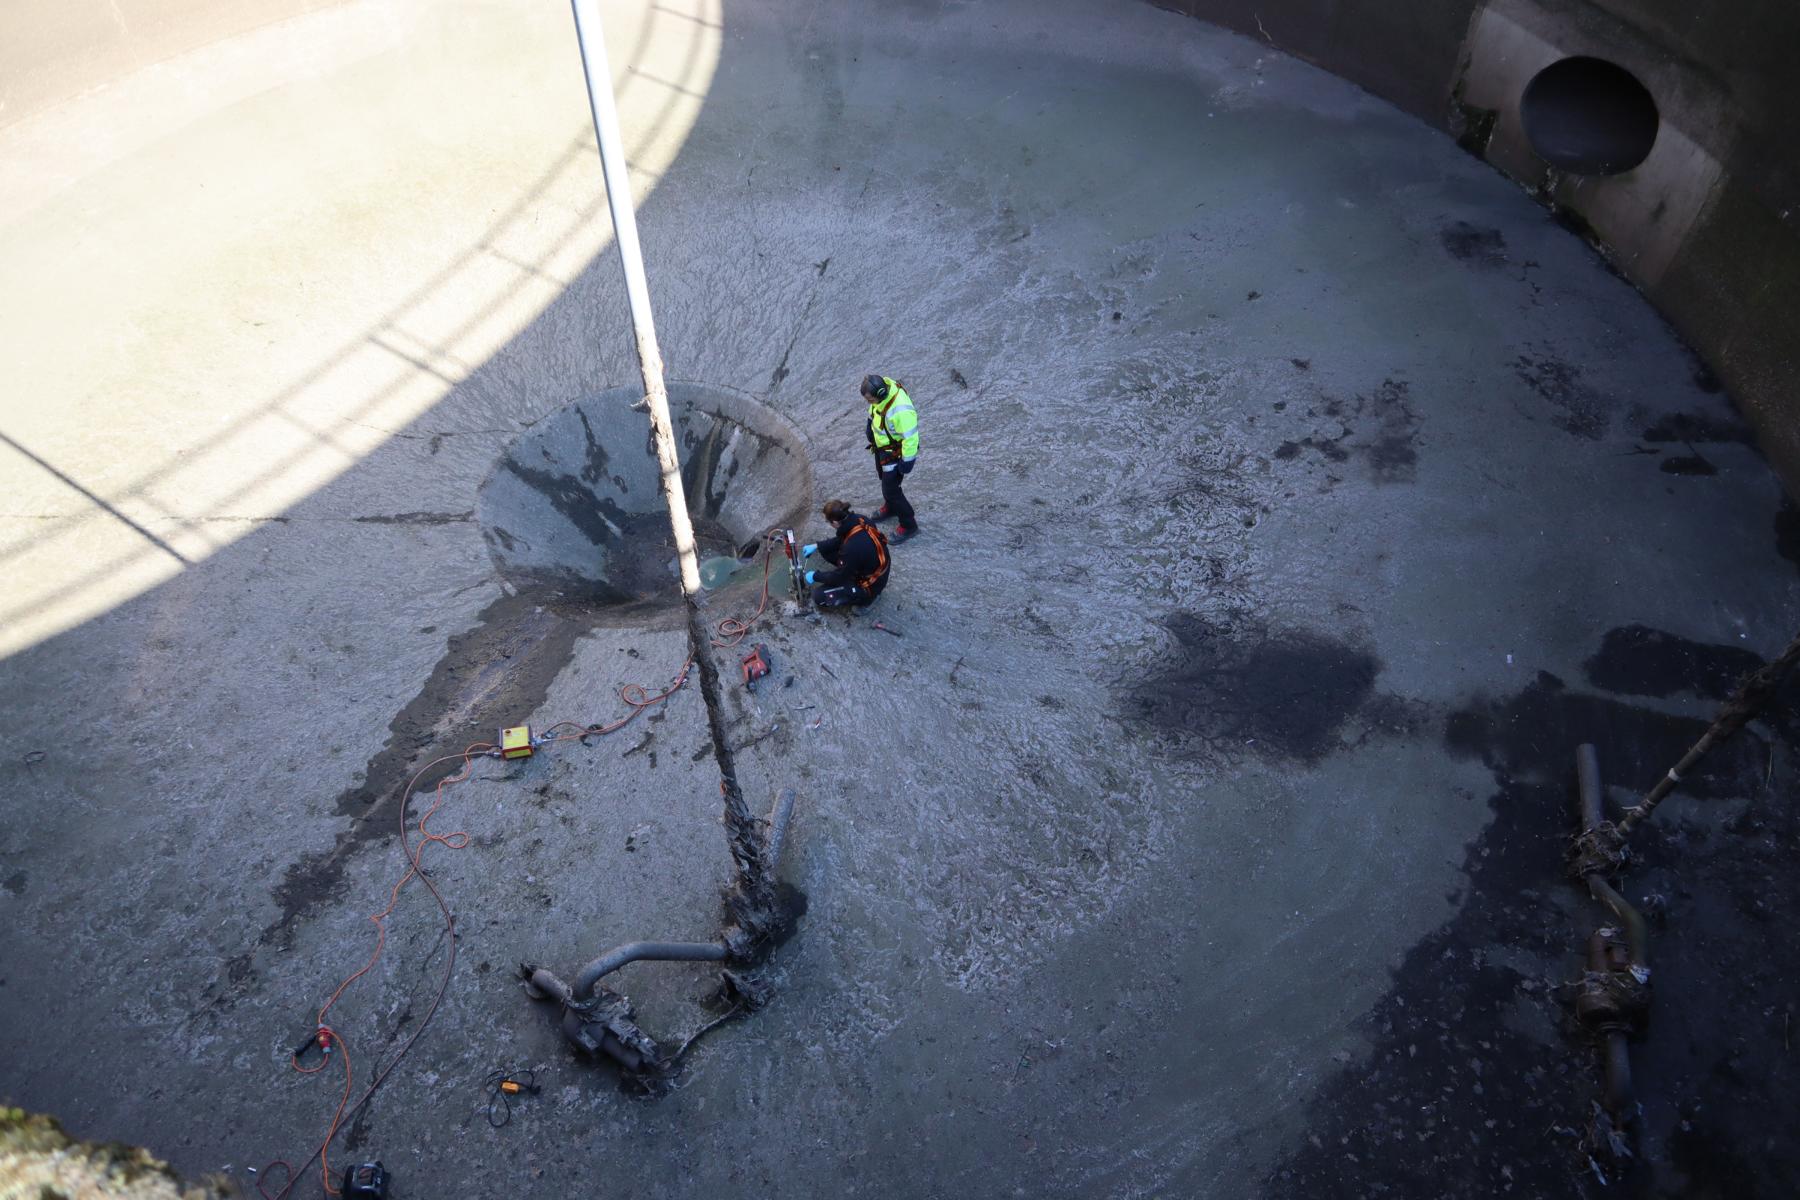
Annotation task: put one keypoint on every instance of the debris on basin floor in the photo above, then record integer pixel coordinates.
(1202, 740)
(601, 1022)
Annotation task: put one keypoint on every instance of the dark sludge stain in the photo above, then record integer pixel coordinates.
(487, 677)
(1473, 244)
(1717, 1058)
(1391, 456)
(704, 483)
(790, 905)
(636, 548)
(1277, 694)
(1580, 410)
(593, 464)
(1392, 452)
(1689, 428)
(1688, 464)
(1330, 449)
(1533, 736)
(1477, 1082)
(1639, 661)
(1467, 1075)
(1381, 427)
(573, 499)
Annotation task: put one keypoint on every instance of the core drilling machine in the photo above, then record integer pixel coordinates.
(790, 546)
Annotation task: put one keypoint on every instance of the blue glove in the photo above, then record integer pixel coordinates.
(808, 550)
(886, 467)
(809, 578)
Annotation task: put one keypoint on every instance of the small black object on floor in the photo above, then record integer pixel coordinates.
(365, 1181)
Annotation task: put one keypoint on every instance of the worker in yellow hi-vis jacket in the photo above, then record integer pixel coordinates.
(894, 439)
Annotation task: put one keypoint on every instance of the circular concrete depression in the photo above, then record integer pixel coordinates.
(1589, 116)
(574, 506)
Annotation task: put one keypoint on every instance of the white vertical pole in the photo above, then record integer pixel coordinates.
(637, 288)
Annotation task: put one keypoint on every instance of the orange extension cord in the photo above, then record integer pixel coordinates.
(727, 633)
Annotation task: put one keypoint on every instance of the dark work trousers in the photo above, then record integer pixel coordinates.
(840, 596)
(842, 577)
(893, 497)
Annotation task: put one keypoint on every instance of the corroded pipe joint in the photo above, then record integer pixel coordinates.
(1613, 994)
(1595, 1005)
(1599, 850)
(740, 943)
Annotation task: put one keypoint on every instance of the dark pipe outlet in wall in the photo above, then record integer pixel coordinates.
(1589, 116)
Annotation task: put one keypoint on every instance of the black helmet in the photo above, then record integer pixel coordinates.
(876, 386)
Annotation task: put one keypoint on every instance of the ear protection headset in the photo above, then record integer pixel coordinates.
(876, 386)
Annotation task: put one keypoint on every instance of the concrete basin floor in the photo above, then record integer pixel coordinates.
(1296, 494)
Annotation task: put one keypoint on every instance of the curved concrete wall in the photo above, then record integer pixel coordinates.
(50, 52)
(1708, 226)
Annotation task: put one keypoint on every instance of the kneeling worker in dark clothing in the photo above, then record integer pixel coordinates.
(859, 553)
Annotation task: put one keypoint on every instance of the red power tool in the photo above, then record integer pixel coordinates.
(756, 665)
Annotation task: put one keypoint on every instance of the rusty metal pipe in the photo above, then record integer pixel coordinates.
(542, 985)
(1600, 953)
(1618, 1055)
(1618, 1073)
(632, 952)
(1637, 934)
(1587, 778)
(779, 816)
(1755, 690)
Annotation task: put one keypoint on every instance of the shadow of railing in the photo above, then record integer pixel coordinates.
(415, 367)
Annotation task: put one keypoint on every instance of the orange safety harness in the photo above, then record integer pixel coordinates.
(879, 541)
